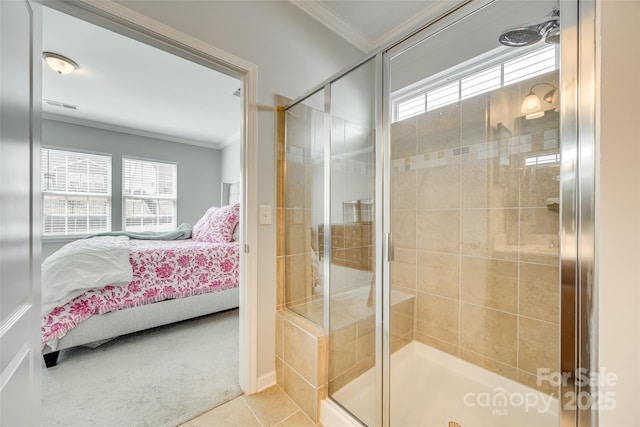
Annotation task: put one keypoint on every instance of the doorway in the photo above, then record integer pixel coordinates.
(121, 21)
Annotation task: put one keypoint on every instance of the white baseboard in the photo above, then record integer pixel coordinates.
(266, 381)
(332, 415)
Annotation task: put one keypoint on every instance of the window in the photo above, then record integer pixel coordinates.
(149, 195)
(465, 84)
(76, 192)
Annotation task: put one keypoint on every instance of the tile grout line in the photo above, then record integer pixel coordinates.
(244, 400)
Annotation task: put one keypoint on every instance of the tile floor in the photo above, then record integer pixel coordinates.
(269, 408)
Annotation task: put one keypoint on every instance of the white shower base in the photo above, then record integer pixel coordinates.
(431, 388)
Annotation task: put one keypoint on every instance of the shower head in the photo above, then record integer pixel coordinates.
(520, 36)
(553, 36)
(528, 34)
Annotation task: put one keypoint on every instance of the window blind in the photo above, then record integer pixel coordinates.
(149, 191)
(76, 192)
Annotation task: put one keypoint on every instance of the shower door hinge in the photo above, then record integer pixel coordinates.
(246, 248)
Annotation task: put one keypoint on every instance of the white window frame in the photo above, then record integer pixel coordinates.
(476, 67)
(152, 197)
(47, 191)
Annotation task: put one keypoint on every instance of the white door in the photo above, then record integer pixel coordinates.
(20, 70)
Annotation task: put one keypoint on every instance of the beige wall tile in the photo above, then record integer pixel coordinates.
(279, 372)
(343, 335)
(476, 178)
(302, 393)
(403, 225)
(489, 364)
(271, 406)
(300, 352)
(296, 186)
(365, 364)
(341, 359)
(438, 273)
(452, 349)
(280, 262)
(403, 138)
(297, 278)
(403, 275)
(437, 317)
(490, 283)
(490, 233)
(538, 345)
(323, 362)
(504, 105)
(539, 384)
(341, 380)
(281, 231)
(539, 236)
(539, 291)
(473, 119)
(279, 336)
(438, 230)
(489, 333)
(365, 348)
(538, 184)
(397, 342)
(439, 129)
(297, 231)
(439, 187)
(403, 190)
(402, 318)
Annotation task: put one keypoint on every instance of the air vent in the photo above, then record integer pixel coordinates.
(237, 93)
(61, 104)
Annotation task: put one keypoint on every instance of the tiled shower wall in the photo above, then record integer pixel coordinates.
(475, 220)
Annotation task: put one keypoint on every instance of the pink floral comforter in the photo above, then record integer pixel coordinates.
(161, 270)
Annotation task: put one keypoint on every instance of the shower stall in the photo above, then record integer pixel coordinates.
(429, 203)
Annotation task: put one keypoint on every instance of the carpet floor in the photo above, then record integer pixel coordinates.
(160, 377)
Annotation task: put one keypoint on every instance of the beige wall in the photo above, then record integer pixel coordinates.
(618, 207)
(476, 230)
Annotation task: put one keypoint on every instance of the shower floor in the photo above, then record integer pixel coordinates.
(432, 388)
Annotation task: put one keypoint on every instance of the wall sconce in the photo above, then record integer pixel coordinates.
(532, 106)
(58, 63)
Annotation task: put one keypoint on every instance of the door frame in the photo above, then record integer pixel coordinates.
(132, 24)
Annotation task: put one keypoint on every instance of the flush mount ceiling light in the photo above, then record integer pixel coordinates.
(58, 63)
(532, 106)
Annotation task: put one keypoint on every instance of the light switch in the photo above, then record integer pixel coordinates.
(265, 215)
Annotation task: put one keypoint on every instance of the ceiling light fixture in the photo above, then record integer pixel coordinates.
(58, 63)
(532, 106)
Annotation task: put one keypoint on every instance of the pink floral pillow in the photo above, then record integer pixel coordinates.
(217, 224)
(200, 228)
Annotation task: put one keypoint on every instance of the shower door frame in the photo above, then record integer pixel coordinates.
(578, 314)
(578, 311)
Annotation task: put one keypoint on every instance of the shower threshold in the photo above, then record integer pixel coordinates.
(432, 388)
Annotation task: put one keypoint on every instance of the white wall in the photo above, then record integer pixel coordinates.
(293, 53)
(618, 214)
(198, 168)
(230, 162)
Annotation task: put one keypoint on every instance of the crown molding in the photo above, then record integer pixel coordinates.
(335, 23)
(433, 10)
(324, 15)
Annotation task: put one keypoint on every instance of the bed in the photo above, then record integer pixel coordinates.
(99, 288)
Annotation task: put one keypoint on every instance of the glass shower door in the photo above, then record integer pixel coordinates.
(351, 235)
(472, 299)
